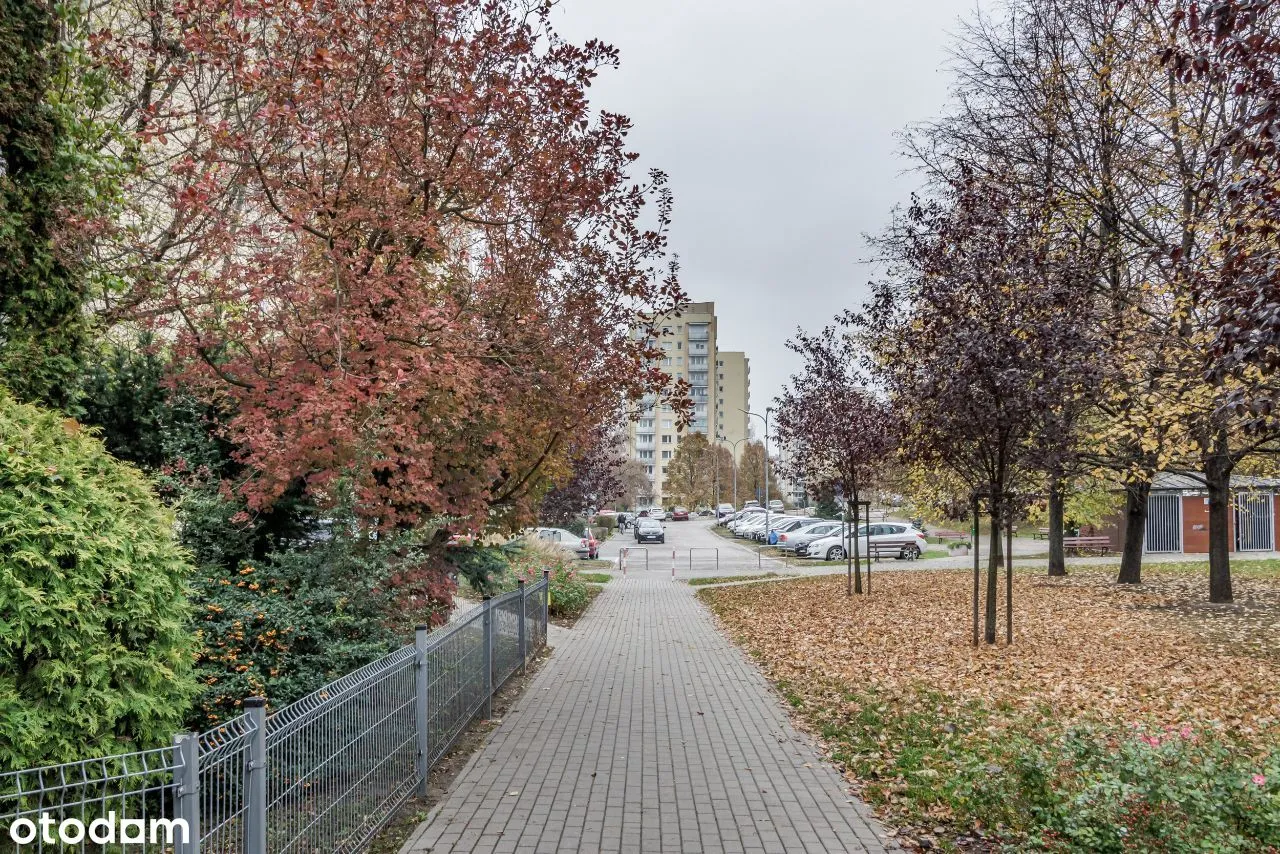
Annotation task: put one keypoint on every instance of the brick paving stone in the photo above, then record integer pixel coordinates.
(647, 731)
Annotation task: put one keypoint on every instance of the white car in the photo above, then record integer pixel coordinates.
(748, 528)
(581, 546)
(894, 539)
(743, 518)
(657, 513)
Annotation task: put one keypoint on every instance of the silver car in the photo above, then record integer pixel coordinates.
(792, 541)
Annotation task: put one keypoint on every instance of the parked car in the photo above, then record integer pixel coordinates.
(680, 514)
(584, 547)
(747, 530)
(723, 512)
(786, 524)
(777, 524)
(909, 540)
(747, 514)
(795, 541)
(776, 506)
(657, 513)
(650, 530)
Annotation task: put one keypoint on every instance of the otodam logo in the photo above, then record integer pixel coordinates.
(50, 830)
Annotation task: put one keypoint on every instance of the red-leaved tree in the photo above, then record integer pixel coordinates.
(398, 245)
(840, 435)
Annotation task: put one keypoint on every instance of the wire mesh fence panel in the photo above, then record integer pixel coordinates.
(455, 682)
(341, 760)
(506, 636)
(126, 798)
(337, 763)
(534, 609)
(224, 758)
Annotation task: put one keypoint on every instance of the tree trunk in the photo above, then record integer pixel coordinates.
(1136, 494)
(994, 559)
(1217, 475)
(1057, 556)
(853, 545)
(845, 528)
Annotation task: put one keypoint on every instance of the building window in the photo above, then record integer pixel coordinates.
(666, 440)
(666, 423)
(649, 469)
(664, 468)
(679, 344)
(666, 455)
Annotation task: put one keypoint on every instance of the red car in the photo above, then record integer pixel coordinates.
(680, 514)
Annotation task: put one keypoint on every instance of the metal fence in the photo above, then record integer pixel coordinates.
(323, 774)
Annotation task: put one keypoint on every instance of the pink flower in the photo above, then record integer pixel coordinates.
(1259, 780)
(1186, 732)
(1153, 740)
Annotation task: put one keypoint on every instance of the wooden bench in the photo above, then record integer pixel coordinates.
(879, 550)
(1040, 534)
(1086, 545)
(949, 535)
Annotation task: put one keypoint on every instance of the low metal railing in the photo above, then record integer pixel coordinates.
(323, 774)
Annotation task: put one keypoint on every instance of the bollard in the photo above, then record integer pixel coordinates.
(622, 561)
(673, 563)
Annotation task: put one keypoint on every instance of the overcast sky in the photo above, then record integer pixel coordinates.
(776, 123)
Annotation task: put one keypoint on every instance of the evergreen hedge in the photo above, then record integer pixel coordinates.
(96, 643)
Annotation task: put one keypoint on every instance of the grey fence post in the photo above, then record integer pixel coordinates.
(546, 597)
(422, 714)
(255, 807)
(186, 749)
(524, 617)
(487, 624)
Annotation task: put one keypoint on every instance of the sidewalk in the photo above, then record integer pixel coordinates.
(647, 731)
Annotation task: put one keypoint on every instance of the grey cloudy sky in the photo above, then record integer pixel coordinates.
(776, 123)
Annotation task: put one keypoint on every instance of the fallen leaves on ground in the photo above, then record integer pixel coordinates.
(1083, 646)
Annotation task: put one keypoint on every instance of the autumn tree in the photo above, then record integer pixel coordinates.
(633, 481)
(596, 459)
(696, 467)
(839, 435)
(403, 248)
(977, 343)
(752, 472)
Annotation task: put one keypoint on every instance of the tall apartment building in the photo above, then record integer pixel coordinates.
(733, 394)
(689, 352)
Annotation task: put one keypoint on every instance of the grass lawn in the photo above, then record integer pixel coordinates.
(595, 577)
(722, 579)
(1121, 718)
(596, 564)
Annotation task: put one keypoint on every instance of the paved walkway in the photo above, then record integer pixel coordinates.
(647, 731)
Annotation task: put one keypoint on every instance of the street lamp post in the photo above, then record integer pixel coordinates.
(734, 445)
(765, 419)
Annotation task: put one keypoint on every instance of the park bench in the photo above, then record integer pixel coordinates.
(1086, 545)
(949, 535)
(886, 549)
(1040, 534)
